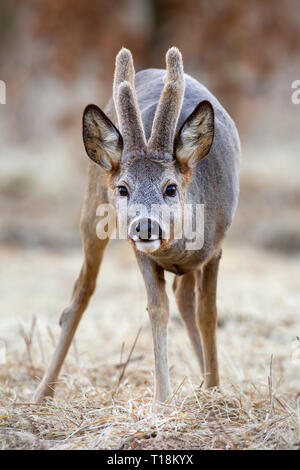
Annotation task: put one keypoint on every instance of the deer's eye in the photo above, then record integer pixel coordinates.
(171, 190)
(123, 191)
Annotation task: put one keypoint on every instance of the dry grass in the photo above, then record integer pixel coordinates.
(243, 416)
(235, 418)
(104, 395)
(85, 416)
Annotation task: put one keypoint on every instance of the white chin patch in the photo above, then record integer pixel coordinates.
(148, 247)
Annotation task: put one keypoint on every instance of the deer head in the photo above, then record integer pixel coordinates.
(153, 173)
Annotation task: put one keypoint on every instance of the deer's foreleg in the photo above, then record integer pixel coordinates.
(83, 289)
(158, 310)
(184, 290)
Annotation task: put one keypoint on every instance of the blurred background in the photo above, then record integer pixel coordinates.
(56, 57)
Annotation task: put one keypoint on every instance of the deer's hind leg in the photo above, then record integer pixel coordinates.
(84, 287)
(184, 290)
(206, 317)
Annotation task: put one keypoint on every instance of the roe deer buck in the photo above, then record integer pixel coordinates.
(168, 123)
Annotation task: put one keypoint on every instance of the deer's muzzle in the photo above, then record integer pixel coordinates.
(146, 233)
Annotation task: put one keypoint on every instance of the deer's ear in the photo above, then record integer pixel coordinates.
(194, 139)
(102, 140)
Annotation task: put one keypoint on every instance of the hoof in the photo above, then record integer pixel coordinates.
(163, 397)
(43, 391)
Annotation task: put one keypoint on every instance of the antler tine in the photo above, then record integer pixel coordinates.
(126, 104)
(169, 106)
(124, 70)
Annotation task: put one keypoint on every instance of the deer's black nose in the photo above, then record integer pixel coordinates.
(148, 229)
